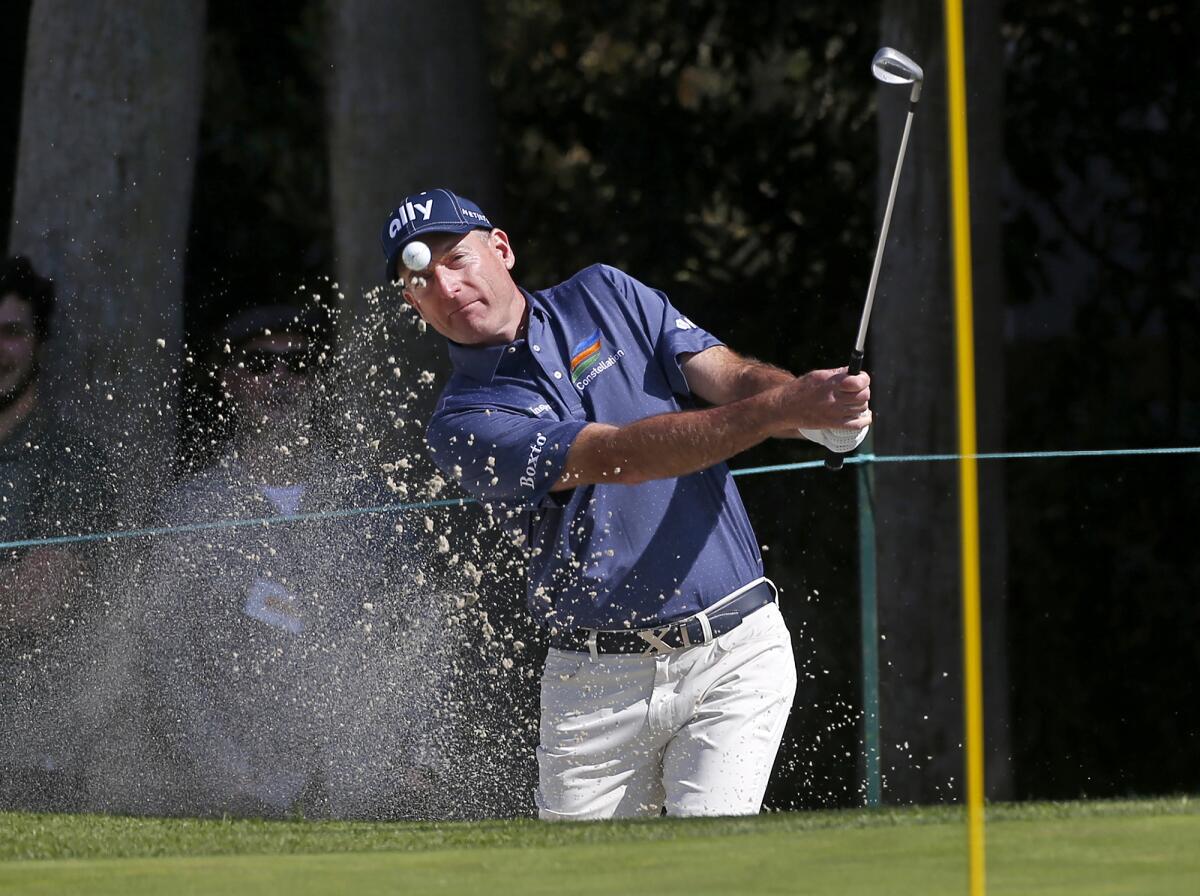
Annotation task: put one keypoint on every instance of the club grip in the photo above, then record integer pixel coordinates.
(833, 460)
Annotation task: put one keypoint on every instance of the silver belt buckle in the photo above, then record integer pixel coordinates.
(654, 637)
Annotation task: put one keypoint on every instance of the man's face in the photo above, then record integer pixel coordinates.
(269, 381)
(18, 347)
(467, 293)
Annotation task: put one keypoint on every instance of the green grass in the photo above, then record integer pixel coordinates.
(1132, 847)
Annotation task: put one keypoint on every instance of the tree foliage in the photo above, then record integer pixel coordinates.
(1101, 127)
(722, 152)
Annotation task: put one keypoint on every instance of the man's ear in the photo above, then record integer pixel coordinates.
(412, 302)
(502, 247)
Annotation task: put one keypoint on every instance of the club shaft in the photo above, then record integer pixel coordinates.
(834, 460)
(860, 343)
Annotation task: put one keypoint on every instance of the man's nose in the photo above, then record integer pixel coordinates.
(447, 280)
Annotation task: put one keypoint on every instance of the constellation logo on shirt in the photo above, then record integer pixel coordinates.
(584, 356)
(585, 361)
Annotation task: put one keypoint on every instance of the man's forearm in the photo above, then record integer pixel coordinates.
(721, 376)
(684, 442)
(756, 376)
(669, 445)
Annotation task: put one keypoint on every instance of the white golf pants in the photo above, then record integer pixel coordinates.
(695, 730)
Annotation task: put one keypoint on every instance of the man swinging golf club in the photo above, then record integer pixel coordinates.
(603, 416)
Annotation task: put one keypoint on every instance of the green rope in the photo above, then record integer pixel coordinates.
(462, 502)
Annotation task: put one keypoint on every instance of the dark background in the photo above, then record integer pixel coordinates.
(644, 134)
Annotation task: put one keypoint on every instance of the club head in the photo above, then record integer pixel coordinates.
(893, 67)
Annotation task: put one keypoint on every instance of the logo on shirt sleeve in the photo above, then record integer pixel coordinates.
(529, 480)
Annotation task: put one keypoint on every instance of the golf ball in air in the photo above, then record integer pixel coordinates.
(416, 256)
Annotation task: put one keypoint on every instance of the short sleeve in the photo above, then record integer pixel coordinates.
(672, 332)
(502, 456)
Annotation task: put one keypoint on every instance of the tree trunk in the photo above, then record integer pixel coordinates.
(409, 109)
(12, 76)
(912, 361)
(103, 191)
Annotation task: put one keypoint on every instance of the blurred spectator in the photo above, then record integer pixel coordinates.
(286, 664)
(50, 485)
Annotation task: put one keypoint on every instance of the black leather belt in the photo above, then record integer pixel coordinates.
(684, 633)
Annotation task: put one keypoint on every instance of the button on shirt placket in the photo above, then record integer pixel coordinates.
(547, 358)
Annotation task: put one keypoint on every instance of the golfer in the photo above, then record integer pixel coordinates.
(603, 417)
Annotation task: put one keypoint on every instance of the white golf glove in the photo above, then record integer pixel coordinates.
(839, 441)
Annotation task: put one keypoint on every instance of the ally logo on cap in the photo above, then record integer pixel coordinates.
(408, 212)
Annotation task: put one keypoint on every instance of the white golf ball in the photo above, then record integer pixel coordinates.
(416, 256)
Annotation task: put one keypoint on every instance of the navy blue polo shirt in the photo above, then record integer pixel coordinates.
(603, 348)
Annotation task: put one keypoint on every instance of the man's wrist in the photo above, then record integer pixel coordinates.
(764, 411)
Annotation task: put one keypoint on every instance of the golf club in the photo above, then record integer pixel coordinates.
(891, 67)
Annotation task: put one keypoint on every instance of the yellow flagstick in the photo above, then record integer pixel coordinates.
(968, 473)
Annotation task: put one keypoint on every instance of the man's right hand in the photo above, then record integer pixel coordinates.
(823, 399)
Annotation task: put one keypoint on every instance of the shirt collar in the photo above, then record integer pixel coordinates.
(537, 303)
(480, 362)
